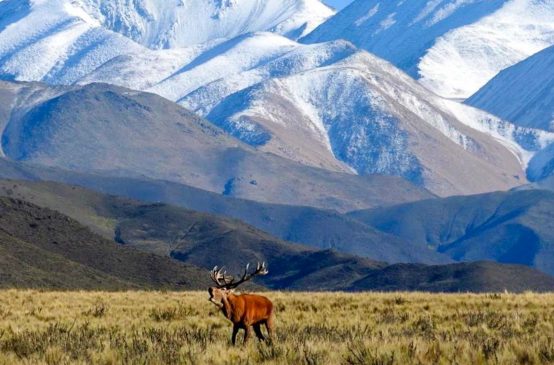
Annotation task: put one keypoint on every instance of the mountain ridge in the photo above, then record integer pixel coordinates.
(55, 127)
(454, 128)
(509, 227)
(295, 268)
(317, 229)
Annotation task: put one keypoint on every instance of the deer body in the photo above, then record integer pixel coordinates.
(247, 311)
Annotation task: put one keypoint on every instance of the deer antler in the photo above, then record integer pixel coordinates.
(223, 280)
(220, 277)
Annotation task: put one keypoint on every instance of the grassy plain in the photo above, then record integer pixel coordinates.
(324, 328)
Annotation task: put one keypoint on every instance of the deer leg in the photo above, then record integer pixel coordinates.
(235, 332)
(247, 333)
(258, 330)
(270, 325)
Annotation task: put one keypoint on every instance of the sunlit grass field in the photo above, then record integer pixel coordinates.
(324, 328)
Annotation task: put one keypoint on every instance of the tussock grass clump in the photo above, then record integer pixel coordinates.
(312, 329)
(99, 310)
(172, 313)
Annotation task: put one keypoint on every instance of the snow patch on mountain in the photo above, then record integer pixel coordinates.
(62, 41)
(160, 24)
(442, 13)
(524, 143)
(290, 60)
(334, 107)
(385, 24)
(368, 16)
(524, 95)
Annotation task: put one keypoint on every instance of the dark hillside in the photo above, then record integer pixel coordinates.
(45, 249)
(202, 240)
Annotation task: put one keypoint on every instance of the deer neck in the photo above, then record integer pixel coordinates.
(228, 305)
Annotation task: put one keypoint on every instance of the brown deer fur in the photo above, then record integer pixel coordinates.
(247, 311)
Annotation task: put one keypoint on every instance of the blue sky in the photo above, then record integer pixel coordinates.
(338, 4)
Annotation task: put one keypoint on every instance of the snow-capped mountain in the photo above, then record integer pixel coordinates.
(452, 46)
(60, 41)
(332, 106)
(326, 105)
(523, 93)
(369, 115)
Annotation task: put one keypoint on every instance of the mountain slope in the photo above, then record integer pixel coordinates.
(508, 227)
(523, 93)
(114, 131)
(547, 183)
(324, 229)
(207, 240)
(44, 249)
(461, 44)
(122, 218)
(453, 47)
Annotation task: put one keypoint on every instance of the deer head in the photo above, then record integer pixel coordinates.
(226, 283)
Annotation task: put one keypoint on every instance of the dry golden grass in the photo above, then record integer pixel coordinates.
(327, 328)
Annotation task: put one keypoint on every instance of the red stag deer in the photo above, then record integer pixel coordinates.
(246, 311)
